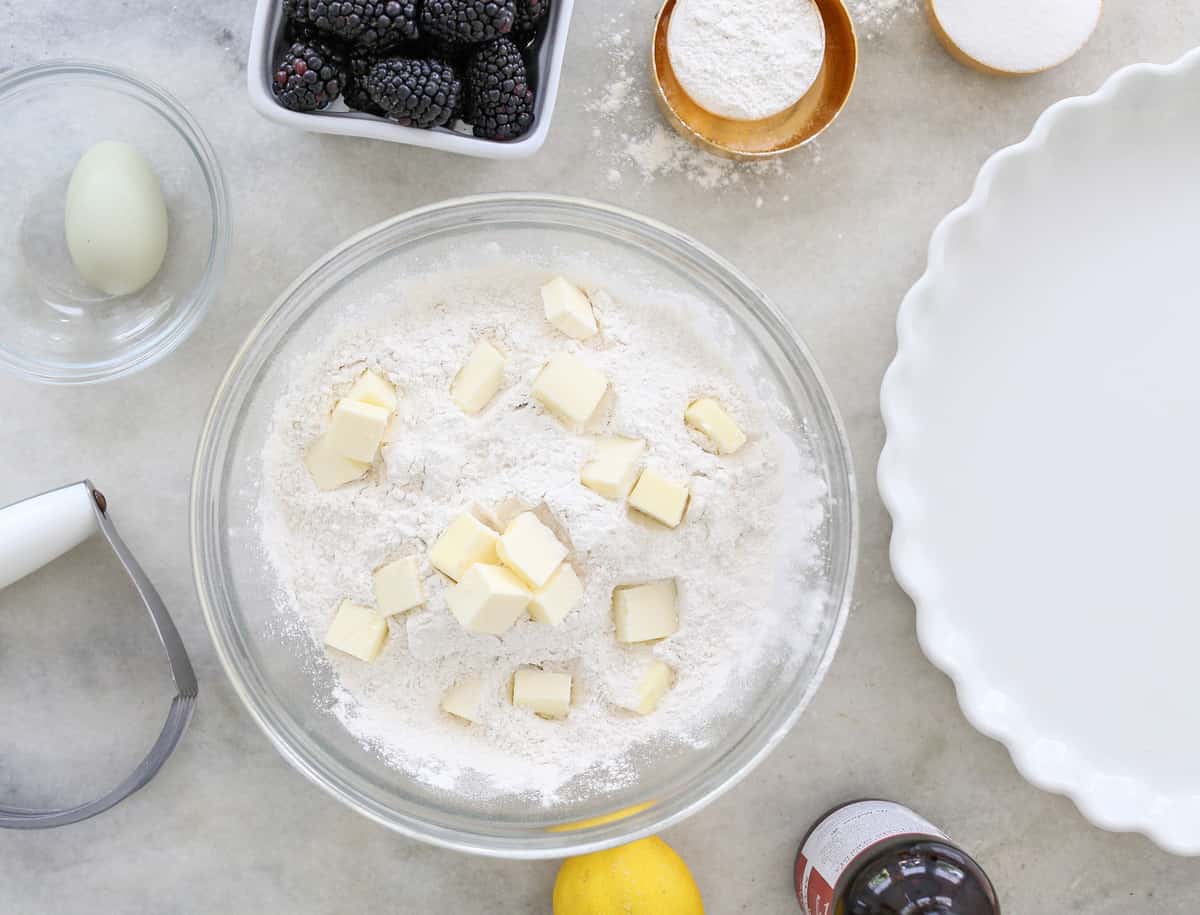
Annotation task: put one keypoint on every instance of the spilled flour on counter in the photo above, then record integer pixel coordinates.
(664, 152)
(873, 17)
(645, 154)
(743, 557)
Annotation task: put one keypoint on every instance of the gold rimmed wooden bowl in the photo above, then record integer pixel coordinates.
(771, 136)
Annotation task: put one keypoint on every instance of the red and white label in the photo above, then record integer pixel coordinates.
(840, 838)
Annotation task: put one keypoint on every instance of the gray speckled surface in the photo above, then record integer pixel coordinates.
(228, 826)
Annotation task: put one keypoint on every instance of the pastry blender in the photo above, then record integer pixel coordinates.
(41, 528)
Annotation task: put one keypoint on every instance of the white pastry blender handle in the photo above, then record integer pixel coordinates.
(38, 530)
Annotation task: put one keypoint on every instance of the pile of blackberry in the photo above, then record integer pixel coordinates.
(421, 63)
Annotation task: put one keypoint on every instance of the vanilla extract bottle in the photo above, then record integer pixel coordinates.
(876, 857)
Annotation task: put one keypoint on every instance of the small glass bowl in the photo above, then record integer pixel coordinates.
(57, 329)
(276, 675)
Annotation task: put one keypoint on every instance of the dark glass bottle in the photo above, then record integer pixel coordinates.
(877, 857)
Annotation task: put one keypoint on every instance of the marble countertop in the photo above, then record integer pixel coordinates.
(835, 234)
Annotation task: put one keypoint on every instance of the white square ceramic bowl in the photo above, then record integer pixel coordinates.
(267, 37)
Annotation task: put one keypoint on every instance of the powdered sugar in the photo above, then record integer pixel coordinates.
(741, 557)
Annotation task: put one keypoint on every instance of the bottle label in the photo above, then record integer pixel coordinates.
(839, 839)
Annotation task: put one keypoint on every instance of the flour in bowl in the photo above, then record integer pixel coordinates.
(745, 558)
(746, 59)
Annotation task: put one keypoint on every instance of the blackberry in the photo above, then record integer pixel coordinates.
(295, 11)
(499, 98)
(529, 14)
(415, 93)
(355, 93)
(376, 24)
(469, 21)
(309, 76)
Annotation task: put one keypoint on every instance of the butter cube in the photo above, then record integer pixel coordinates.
(463, 699)
(662, 499)
(552, 602)
(374, 389)
(330, 469)
(613, 466)
(568, 309)
(570, 387)
(646, 612)
(546, 693)
(357, 429)
(465, 542)
(489, 599)
(653, 686)
(398, 586)
(479, 379)
(358, 631)
(710, 418)
(530, 549)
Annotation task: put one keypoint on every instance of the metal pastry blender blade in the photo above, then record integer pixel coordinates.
(36, 531)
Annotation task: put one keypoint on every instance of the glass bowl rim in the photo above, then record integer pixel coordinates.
(717, 777)
(188, 313)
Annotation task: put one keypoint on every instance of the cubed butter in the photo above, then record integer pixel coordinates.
(662, 499)
(489, 599)
(643, 613)
(465, 542)
(546, 693)
(358, 631)
(464, 698)
(479, 379)
(398, 586)
(558, 597)
(373, 388)
(356, 429)
(653, 686)
(329, 468)
(569, 309)
(613, 466)
(570, 387)
(530, 549)
(710, 418)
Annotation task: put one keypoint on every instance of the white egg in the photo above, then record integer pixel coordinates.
(116, 218)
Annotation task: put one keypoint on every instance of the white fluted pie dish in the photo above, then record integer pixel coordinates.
(1043, 440)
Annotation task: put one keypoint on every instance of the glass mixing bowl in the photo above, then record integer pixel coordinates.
(57, 329)
(235, 584)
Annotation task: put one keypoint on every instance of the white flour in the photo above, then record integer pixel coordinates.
(873, 17)
(746, 59)
(741, 557)
(647, 150)
(663, 152)
(656, 151)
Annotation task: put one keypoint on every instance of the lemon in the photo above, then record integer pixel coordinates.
(601, 820)
(643, 878)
